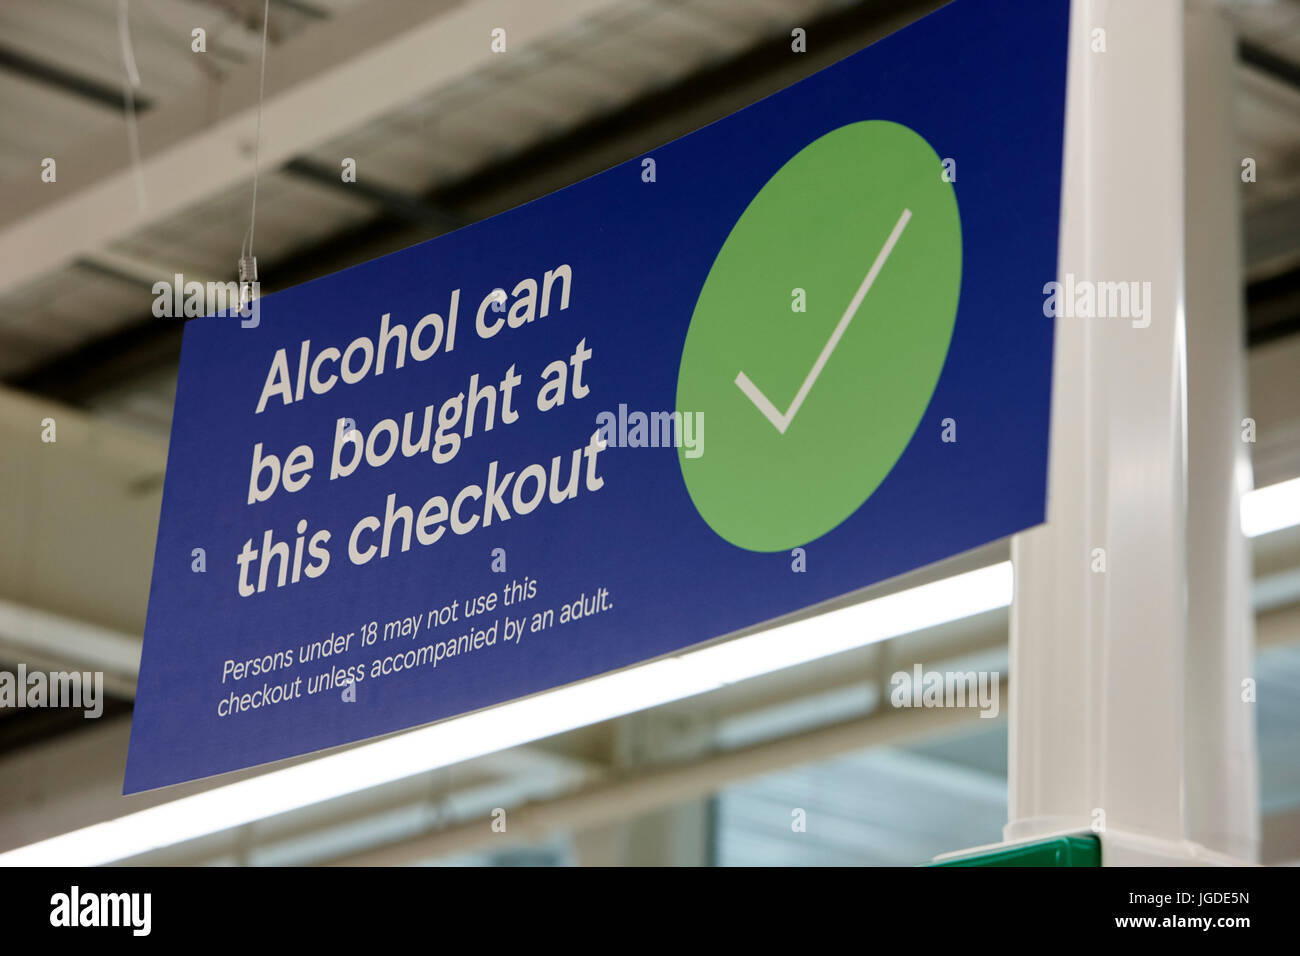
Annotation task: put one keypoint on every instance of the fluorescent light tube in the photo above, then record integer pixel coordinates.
(1271, 508)
(520, 722)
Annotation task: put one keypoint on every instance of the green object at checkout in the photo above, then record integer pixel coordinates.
(1081, 849)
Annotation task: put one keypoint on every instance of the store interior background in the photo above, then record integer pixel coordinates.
(711, 779)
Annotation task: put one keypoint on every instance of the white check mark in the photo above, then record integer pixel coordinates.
(782, 420)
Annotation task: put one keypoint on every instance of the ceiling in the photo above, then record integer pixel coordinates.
(56, 96)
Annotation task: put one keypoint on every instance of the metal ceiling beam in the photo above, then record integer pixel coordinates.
(1274, 307)
(306, 9)
(331, 80)
(1266, 61)
(402, 205)
(66, 81)
(412, 209)
(250, 11)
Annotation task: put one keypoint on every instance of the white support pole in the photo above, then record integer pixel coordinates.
(1222, 779)
(1131, 629)
(1099, 623)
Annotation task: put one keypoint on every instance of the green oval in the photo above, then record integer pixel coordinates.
(819, 224)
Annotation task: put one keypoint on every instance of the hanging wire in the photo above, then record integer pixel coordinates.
(131, 82)
(257, 143)
(247, 259)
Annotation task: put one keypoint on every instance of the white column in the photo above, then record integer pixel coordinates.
(1099, 623)
(1222, 776)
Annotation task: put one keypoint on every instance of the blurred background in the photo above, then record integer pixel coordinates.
(586, 83)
